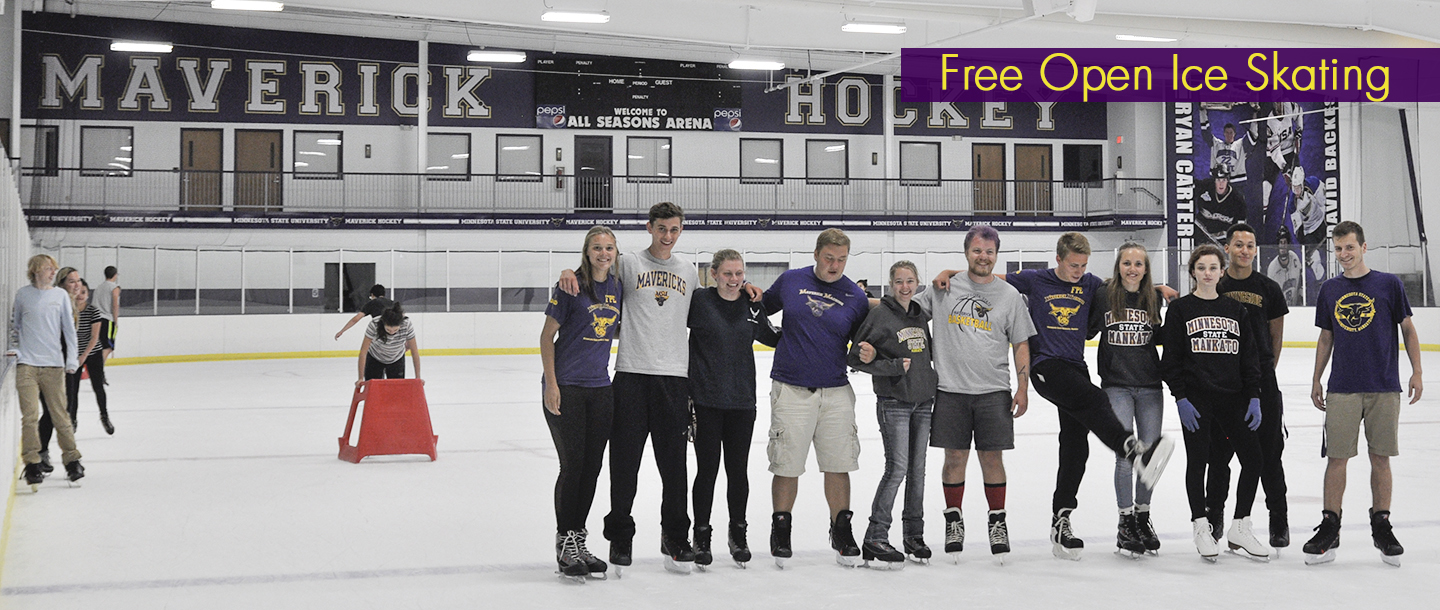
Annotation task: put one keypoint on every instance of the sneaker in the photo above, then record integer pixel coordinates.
(593, 564)
(1242, 538)
(916, 549)
(881, 551)
(567, 555)
(1384, 536)
(1000, 533)
(1149, 462)
(1279, 530)
(621, 552)
(679, 555)
(954, 531)
(842, 539)
(1205, 540)
(703, 556)
(1321, 547)
(1063, 543)
(74, 471)
(1146, 529)
(780, 535)
(739, 547)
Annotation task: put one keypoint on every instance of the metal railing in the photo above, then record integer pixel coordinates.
(164, 190)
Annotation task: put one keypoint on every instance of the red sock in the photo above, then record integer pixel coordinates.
(954, 492)
(995, 495)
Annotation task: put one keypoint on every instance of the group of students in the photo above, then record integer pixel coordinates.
(951, 389)
(58, 334)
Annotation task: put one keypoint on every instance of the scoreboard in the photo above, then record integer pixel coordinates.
(594, 92)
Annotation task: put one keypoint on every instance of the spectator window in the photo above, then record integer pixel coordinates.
(920, 163)
(761, 161)
(517, 158)
(648, 159)
(107, 151)
(319, 154)
(827, 161)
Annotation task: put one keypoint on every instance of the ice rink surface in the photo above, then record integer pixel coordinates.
(221, 489)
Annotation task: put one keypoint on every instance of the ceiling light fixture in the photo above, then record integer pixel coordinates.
(132, 46)
(247, 5)
(756, 64)
(1131, 38)
(575, 17)
(873, 28)
(497, 57)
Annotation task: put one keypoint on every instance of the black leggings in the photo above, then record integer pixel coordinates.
(1221, 416)
(1083, 408)
(96, 365)
(580, 432)
(1272, 445)
(730, 429)
(658, 407)
(375, 369)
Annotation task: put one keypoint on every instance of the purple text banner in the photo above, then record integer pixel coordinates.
(1170, 75)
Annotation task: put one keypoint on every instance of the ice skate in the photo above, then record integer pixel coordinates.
(679, 555)
(954, 533)
(593, 564)
(567, 555)
(1127, 537)
(999, 536)
(1205, 541)
(739, 547)
(1321, 547)
(703, 556)
(916, 550)
(1149, 462)
(1279, 532)
(1063, 543)
(45, 467)
(34, 476)
(1384, 536)
(105, 423)
(842, 539)
(1147, 530)
(1242, 541)
(879, 555)
(780, 538)
(621, 552)
(74, 472)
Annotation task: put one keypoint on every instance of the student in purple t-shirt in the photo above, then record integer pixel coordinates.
(579, 405)
(1059, 300)
(810, 395)
(1358, 313)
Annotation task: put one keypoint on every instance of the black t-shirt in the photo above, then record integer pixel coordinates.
(1264, 300)
(722, 353)
(377, 306)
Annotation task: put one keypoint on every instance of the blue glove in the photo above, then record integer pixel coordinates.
(1189, 416)
(1252, 414)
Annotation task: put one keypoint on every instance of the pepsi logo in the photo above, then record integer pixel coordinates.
(558, 120)
(735, 124)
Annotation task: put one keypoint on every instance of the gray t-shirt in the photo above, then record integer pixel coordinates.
(655, 314)
(101, 299)
(974, 327)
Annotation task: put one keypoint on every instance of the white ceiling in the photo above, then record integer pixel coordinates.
(806, 33)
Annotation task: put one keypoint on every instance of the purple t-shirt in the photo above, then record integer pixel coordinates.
(1364, 314)
(1060, 310)
(582, 346)
(819, 320)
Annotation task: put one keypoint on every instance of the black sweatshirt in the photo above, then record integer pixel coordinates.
(1128, 353)
(722, 353)
(1210, 348)
(897, 333)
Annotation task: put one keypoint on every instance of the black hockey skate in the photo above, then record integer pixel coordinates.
(739, 546)
(1128, 542)
(34, 476)
(1384, 535)
(1279, 531)
(954, 533)
(621, 552)
(842, 539)
(593, 564)
(916, 550)
(567, 556)
(1146, 529)
(679, 555)
(879, 555)
(74, 472)
(780, 538)
(105, 423)
(45, 467)
(703, 556)
(1216, 517)
(999, 536)
(1321, 547)
(1063, 543)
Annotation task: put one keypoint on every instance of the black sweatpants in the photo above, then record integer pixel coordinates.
(1083, 408)
(580, 432)
(96, 365)
(1221, 416)
(656, 406)
(730, 430)
(1272, 445)
(375, 369)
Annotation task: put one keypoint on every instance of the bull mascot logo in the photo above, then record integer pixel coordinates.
(661, 296)
(1062, 314)
(1354, 311)
(602, 325)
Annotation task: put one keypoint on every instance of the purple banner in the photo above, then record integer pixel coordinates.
(1169, 75)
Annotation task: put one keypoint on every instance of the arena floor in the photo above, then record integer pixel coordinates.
(221, 489)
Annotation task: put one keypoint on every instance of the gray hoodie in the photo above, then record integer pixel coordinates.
(897, 334)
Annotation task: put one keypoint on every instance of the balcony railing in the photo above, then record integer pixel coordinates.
(157, 190)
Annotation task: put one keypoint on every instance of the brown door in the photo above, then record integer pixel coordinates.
(258, 175)
(987, 173)
(1032, 179)
(201, 159)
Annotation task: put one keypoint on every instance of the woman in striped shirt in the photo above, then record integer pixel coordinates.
(92, 357)
(382, 355)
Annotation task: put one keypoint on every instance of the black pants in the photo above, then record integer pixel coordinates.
(656, 406)
(580, 432)
(730, 429)
(1272, 445)
(375, 369)
(1083, 408)
(1221, 416)
(96, 365)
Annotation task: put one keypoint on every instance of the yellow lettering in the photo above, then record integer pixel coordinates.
(945, 70)
(1264, 78)
(1074, 71)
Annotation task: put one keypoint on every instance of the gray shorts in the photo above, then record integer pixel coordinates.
(985, 418)
(824, 416)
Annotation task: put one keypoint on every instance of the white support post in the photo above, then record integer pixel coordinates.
(197, 280)
(155, 280)
(290, 294)
(499, 280)
(447, 280)
(242, 280)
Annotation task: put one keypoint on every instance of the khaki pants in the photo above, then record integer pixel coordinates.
(30, 382)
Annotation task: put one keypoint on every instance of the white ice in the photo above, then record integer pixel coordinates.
(221, 489)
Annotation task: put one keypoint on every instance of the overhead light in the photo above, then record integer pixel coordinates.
(756, 64)
(1130, 38)
(836, 148)
(328, 142)
(498, 57)
(766, 161)
(246, 5)
(873, 28)
(575, 17)
(131, 46)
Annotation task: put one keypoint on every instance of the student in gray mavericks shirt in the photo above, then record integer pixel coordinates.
(974, 327)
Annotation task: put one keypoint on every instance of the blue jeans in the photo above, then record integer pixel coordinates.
(905, 429)
(1140, 410)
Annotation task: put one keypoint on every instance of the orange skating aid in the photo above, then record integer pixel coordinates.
(395, 421)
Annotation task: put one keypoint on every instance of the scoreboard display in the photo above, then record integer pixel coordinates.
(593, 92)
